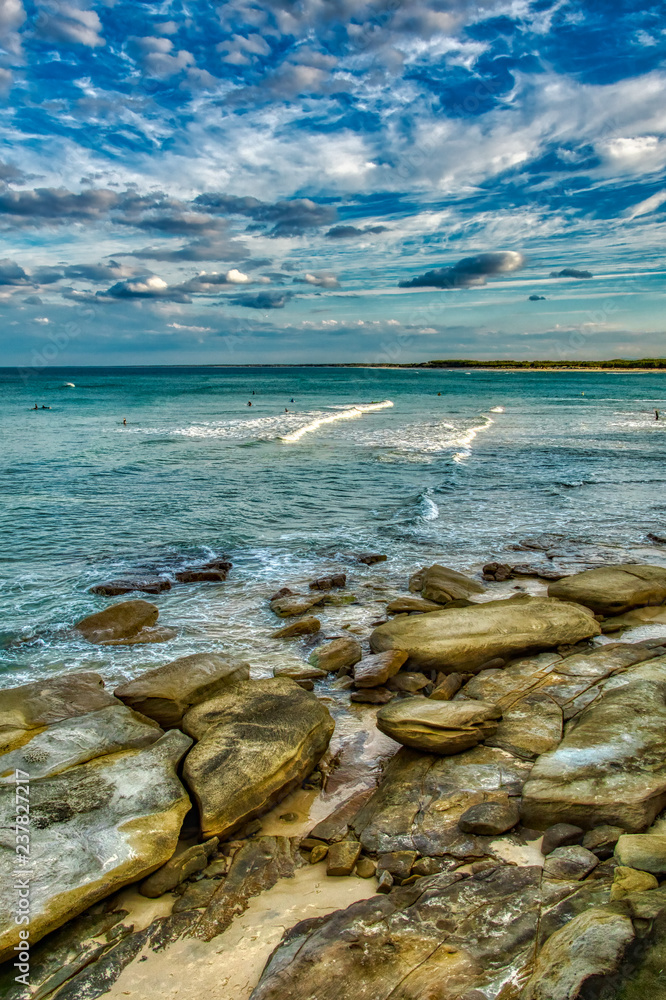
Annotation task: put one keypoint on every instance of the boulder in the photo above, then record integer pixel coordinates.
(257, 741)
(628, 880)
(561, 835)
(602, 840)
(398, 863)
(644, 851)
(177, 869)
(415, 585)
(443, 727)
(159, 634)
(294, 605)
(490, 819)
(329, 582)
(409, 681)
(365, 868)
(119, 621)
(407, 605)
(145, 584)
(634, 619)
(572, 862)
(305, 626)
(300, 672)
(342, 856)
(441, 584)
(197, 895)
(369, 558)
(372, 696)
(464, 639)
(336, 655)
(94, 829)
(167, 692)
(610, 768)
(612, 590)
(373, 671)
(201, 575)
(447, 686)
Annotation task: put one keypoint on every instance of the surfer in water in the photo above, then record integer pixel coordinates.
(35, 407)
(124, 421)
(249, 404)
(656, 414)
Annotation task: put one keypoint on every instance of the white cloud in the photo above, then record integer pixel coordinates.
(236, 277)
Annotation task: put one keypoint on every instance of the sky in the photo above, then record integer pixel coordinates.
(331, 180)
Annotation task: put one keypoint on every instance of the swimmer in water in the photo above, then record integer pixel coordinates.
(124, 421)
(249, 404)
(35, 407)
(656, 414)
(292, 400)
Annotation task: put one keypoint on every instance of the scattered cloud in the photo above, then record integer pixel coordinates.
(319, 280)
(537, 298)
(571, 272)
(469, 272)
(351, 232)
(262, 300)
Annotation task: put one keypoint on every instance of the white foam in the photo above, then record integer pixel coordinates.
(497, 409)
(468, 437)
(348, 414)
(430, 510)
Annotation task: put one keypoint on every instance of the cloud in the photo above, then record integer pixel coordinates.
(236, 277)
(70, 24)
(12, 273)
(351, 232)
(537, 298)
(10, 174)
(150, 287)
(469, 272)
(571, 272)
(646, 206)
(190, 329)
(197, 250)
(262, 300)
(55, 206)
(97, 272)
(320, 280)
(287, 218)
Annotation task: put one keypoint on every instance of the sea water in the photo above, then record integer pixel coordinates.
(459, 467)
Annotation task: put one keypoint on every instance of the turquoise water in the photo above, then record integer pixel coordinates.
(195, 472)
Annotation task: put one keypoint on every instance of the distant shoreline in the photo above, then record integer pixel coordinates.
(642, 366)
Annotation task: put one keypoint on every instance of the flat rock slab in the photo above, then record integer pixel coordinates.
(167, 692)
(421, 797)
(442, 727)
(634, 619)
(441, 584)
(94, 829)
(120, 621)
(144, 584)
(304, 626)
(373, 671)
(337, 654)
(257, 741)
(530, 727)
(407, 604)
(464, 639)
(610, 767)
(612, 590)
(296, 604)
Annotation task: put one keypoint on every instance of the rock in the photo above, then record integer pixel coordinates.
(602, 840)
(416, 580)
(305, 626)
(329, 582)
(442, 585)
(530, 727)
(318, 853)
(490, 819)
(339, 601)
(464, 639)
(408, 681)
(217, 868)
(588, 947)
(336, 825)
(241, 766)
(628, 880)
(542, 572)
(444, 727)
(333, 656)
(609, 769)
(342, 856)
(300, 672)
(447, 687)
(634, 619)
(94, 829)
(398, 863)
(370, 558)
(146, 584)
(119, 621)
(298, 604)
(159, 634)
(644, 851)
(257, 865)
(497, 571)
(571, 862)
(177, 869)
(77, 740)
(197, 895)
(46, 702)
(282, 592)
(373, 696)
(402, 605)
(201, 575)
(385, 882)
(434, 866)
(221, 564)
(167, 692)
(365, 868)
(560, 835)
(612, 590)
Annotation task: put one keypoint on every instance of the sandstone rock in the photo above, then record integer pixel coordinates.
(158, 634)
(342, 856)
(333, 656)
(201, 575)
(497, 571)
(339, 600)
(365, 868)
(305, 626)
(385, 882)
(167, 692)
(466, 638)
(409, 681)
(443, 727)
(572, 862)
(646, 852)
(447, 687)
(119, 621)
(398, 863)
(628, 880)
(609, 768)
(560, 835)
(634, 619)
(146, 584)
(416, 580)
(177, 869)
(441, 584)
(336, 825)
(373, 696)
(602, 840)
(300, 672)
(612, 590)
(296, 604)
(402, 605)
(530, 727)
(370, 558)
(489, 819)
(197, 895)
(94, 829)
(329, 582)
(434, 866)
(282, 592)
(257, 741)
(318, 853)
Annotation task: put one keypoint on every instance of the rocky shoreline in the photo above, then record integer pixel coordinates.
(481, 777)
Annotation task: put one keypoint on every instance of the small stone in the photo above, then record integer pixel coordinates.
(365, 867)
(560, 835)
(295, 605)
(408, 681)
(385, 882)
(373, 671)
(338, 653)
(306, 626)
(602, 840)
(329, 582)
(497, 571)
(446, 688)
(486, 865)
(410, 879)
(318, 853)
(398, 863)
(373, 696)
(644, 851)
(177, 869)
(489, 819)
(282, 592)
(308, 843)
(370, 558)
(197, 895)
(572, 862)
(342, 857)
(289, 817)
(251, 828)
(217, 868)
(628, 880)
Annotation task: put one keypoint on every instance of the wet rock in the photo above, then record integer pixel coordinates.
(572, 862)
(464, 639)
(241, 766)
(333, 656)
(407, 605)
(529, 727)
(634, 619)
(305, 626)
(300, 672)
(282, 592)
(373, 696)
(318, 853)
(497, 571)
(628, 880)
(295, 605)
(443, 727)
(342, 856)
(609, 769)
(613, 590)
(256, 867)
(329, 582)
(561, 835)
(365, 868)
(370, 558)
(385, 882)
(416, 580)
(602, 840)
(119, 621)
(408, 681)
(201, 575)
(217, 868)
(177, 869)
(489, 819)
(126, 808)
(447, 687)
(398, 863)
(441, 584)
(145, 584)
(167, 692)
(646, 852)
(197, 895)
(434, 866)
(339, 601)
(147, 635)
(336, 825)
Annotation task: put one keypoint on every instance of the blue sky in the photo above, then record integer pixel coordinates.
(331, 180)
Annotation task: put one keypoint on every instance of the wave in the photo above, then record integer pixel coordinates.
(497, 409)
(347, 414)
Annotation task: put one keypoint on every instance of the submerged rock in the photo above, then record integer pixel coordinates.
(145, 584)
(329, 582)
(369, 558)
(119, 621)
(441, 584)
(443, 727)
(612, 590)
(167, 692)
(257, 741)
(305, 626)
(295, 604)
(201, 575)
(402, 605)
(464, 639)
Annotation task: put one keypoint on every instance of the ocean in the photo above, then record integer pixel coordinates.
(556, 469)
